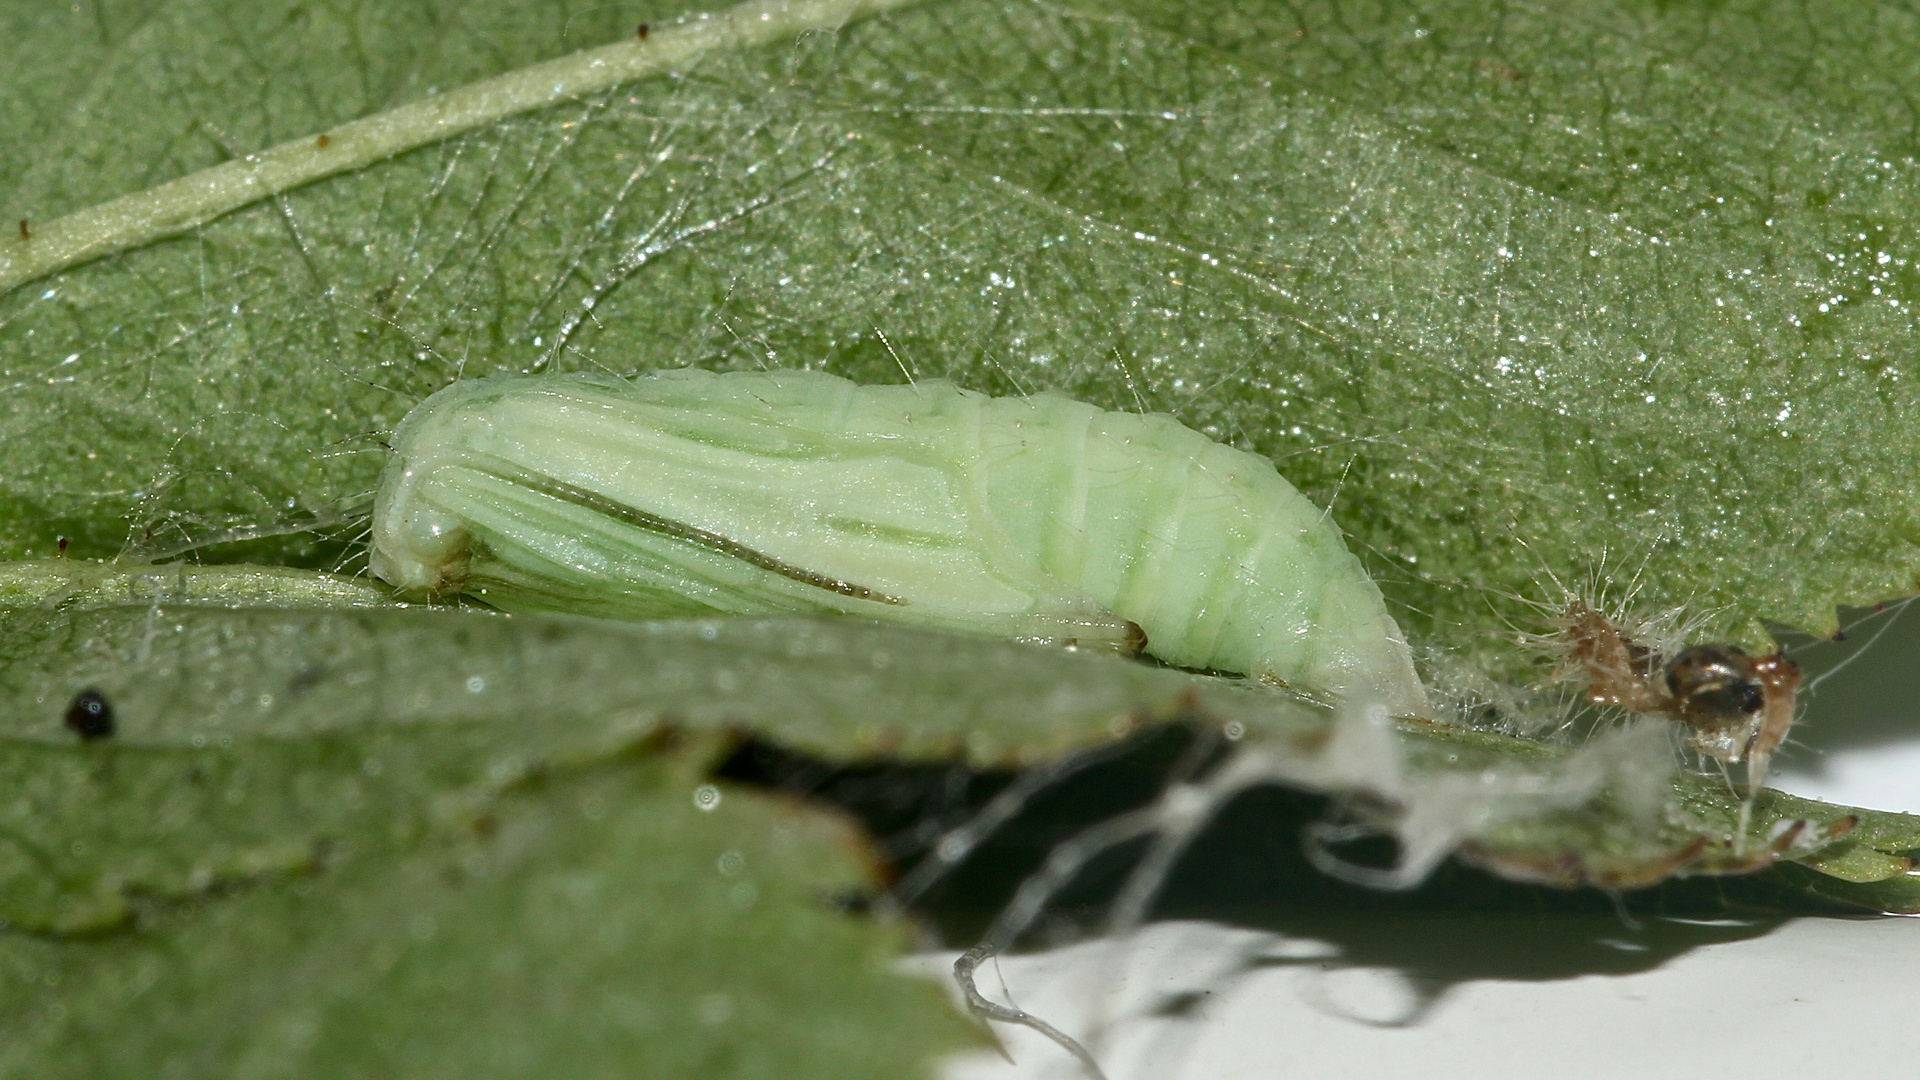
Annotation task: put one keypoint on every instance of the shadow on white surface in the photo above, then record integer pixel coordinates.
(1857, 742)
(1186, 1001)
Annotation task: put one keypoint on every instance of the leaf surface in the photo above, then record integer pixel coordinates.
(441, 915)
(1613, 292)
(1519, 292)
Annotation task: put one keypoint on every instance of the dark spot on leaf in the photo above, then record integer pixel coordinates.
(643, 31)
(90, 717)
(1816, 199)
(322, 142)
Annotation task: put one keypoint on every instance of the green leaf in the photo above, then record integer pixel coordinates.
(197, 666)
(1321, 234)
(589, 917)
(185, 672)
(1611, 292)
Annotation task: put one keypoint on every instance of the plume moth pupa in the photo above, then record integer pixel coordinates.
(689, 493)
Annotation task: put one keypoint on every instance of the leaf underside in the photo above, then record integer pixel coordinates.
(1615, 295)
(1599, 290)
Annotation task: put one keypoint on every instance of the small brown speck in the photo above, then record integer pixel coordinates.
(61, 544)
(1494, 67)
(643, 31)
(322, 142)
(25, 233)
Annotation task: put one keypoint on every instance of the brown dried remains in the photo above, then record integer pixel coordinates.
(1734, 707)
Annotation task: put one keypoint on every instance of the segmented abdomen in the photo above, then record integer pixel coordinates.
(1220, 561)
(1039, 517)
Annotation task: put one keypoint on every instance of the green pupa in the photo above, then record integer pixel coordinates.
(689, 493)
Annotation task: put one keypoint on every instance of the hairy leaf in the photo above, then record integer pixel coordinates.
(1610, 293)
(1589, 290)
